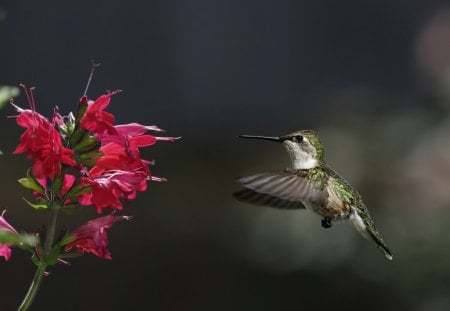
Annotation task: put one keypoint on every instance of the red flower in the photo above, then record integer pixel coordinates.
(118, 157)
(132, 137)
(5, 250)
(91, 237)
(42, 142)
(95, 119)
(111, 186)
(68, 182)
(118, 174)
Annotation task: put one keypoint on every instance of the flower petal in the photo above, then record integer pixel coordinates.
(5, 251)
(91, 237)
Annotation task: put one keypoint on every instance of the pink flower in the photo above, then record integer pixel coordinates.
(91, 237)
(5, 250)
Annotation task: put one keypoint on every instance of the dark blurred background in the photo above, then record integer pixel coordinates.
(371, 77)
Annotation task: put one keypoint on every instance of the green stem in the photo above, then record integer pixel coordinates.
(50, 236)
(34, 287)
(40, 271)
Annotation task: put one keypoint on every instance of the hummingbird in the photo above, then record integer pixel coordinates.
(310, 184)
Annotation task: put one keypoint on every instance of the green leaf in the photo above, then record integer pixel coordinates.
(70, 127)
(88, 159)
(24, 240)
(52, 258)
(28, 240)
(56, 185)
(82, 107)
(86, 144)
(8, 237)
(66, 240)
(6, 93)
(76, 136)
(58, 250)
(37, 205)
(77, 190)
(30, 183)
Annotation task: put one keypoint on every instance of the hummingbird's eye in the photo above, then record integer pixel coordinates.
(298, 138)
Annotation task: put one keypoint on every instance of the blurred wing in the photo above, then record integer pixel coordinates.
(253, 197)
(290, 186)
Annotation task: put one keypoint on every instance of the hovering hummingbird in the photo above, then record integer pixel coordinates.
(310, 184)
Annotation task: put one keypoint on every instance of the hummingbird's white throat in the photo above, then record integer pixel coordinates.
(301, 159)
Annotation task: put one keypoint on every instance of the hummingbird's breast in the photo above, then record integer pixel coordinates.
(335, 207)
(332, 211)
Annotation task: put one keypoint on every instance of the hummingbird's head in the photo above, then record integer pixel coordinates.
(303, 146)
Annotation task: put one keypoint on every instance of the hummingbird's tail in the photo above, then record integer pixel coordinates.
(368, 230)
(380, 243)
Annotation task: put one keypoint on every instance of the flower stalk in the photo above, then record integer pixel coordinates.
(40, 271)
(50, 235)
(34, 287)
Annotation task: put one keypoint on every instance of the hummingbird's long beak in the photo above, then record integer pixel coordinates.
(273, 138)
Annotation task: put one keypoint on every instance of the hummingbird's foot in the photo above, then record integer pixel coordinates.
(326, 222)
